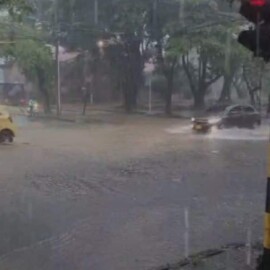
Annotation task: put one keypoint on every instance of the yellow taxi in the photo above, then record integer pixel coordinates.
(7, 127)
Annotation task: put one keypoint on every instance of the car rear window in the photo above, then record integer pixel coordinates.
(235, 110)
(248, 110)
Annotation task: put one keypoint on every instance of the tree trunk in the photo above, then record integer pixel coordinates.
(168, 107)
(138, 66)
(86, 98)
(252, 98)
(199, 96)
(191, 81)
(46, 102)
(199, 100)
(239, 91)
(44, 91)
(268, 105)
(226, 90)
(170, 80)
(127, 82)
(202, 86)
(134, 73)
(85, 102)
(127, 96)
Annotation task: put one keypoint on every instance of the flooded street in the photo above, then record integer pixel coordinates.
(123, 159)
(134, 194)
(256, 134)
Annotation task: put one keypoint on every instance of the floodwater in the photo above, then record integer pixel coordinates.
(257, 134)
(86, 196)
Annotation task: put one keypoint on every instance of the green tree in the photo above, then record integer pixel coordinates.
(203, 45)
(35, 60)
(163, 24)
(192, 34)
(33, 57)
(16, 8)
(125, 21)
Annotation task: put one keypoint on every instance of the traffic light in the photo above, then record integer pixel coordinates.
(256, 39)
(258, 43)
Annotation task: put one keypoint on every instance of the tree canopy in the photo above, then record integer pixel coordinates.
(194, 36)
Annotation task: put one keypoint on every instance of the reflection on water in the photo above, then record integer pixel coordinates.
(260, 133)
(187, 129)
(21, 121)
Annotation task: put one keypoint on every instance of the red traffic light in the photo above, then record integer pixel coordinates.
(257, 3)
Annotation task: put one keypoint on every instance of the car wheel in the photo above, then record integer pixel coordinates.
(6, 136)
(257, 124)
(220, 126)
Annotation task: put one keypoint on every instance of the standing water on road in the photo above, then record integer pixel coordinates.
(108, 174)
(257, 134)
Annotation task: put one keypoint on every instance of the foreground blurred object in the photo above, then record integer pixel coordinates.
(7, 128)
(264, 260)
(256, 39)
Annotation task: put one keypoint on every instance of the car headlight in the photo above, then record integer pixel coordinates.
(192, 119)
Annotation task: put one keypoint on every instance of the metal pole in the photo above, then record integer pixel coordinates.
(58, 78)
(258, 49)
(155, 17)
(150, 95)
(96, 11)
(260, 86)
(91, 98)
(182, 12)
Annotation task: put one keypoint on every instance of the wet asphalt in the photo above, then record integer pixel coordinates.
(134, 194)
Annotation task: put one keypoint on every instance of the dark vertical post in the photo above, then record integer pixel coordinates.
(264, 261)
(96, 10)
(258, 49)
(57, 63)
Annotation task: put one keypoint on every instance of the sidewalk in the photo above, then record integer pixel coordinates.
(13, 110)
(73, 113)
(233, 257)
(104, 112)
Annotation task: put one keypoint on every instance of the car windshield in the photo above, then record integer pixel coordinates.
(133, 134)
(249, 110)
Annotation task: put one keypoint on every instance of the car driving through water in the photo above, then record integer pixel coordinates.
(241, 116)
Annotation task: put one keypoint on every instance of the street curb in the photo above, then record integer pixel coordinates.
(200, 256)
(79, 118)
(47, 117)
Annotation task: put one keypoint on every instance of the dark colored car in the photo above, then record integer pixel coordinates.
(240, 116)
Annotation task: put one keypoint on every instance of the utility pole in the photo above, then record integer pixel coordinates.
(96, 10)
(155, 17)
(182, 12)
(57, 62)
(150, 95)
